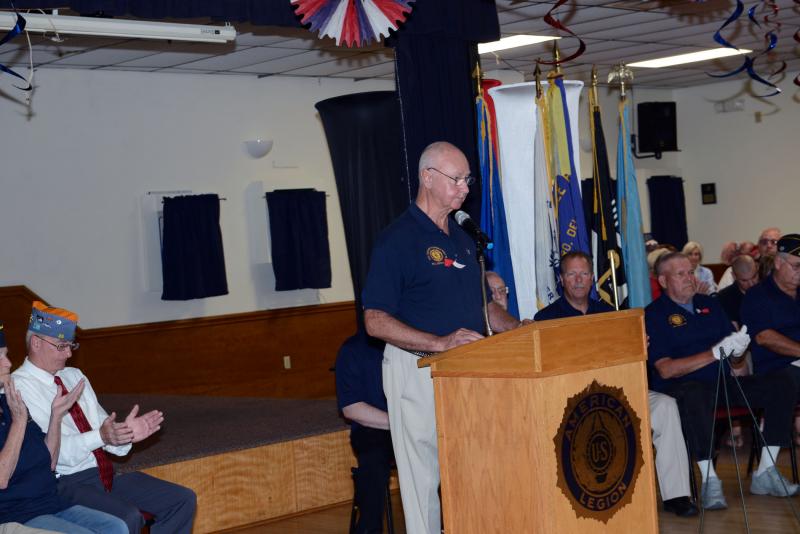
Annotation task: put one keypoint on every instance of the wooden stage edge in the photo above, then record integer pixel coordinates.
(264, 483)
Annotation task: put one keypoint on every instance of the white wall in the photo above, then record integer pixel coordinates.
(74, 173)
(752, 155)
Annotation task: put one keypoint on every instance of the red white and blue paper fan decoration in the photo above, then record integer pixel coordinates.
(353, 22)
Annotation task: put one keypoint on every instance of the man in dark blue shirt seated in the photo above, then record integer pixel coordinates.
(771, 311)
(672, 463)
(576, 279)
(359, 392)
(745, 276)
(689, 335)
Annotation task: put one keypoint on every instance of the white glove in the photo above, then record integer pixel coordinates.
(733, 344)
(742, 340)
(726, 347)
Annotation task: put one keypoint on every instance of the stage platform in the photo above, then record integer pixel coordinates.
(248, 459)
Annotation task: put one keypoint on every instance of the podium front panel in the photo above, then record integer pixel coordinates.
(502, 464)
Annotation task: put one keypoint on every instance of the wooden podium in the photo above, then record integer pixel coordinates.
(546, 429)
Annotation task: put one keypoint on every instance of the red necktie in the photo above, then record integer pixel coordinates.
(103, 463)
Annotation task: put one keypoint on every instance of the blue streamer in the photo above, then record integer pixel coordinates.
(735, 15)
(18, 28)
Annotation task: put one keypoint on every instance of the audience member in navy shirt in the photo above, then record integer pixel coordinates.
(28, 492)
(359, 392)
(689, 333)
(423, 295)
(745, 275)
(771, 311)
(576, 279)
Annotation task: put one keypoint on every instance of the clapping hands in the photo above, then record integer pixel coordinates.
(19, 412)
(133, 429)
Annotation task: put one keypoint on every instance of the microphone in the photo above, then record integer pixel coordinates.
(465, 221)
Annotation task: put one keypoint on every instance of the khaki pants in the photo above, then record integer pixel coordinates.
(412, 422)
(16, 528)
(672, 461)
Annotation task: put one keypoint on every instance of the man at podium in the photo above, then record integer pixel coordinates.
(423, 295)
(672, 462)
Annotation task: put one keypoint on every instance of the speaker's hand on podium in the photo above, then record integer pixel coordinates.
(462, 336)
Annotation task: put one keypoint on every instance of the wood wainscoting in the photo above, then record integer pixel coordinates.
(239, 355)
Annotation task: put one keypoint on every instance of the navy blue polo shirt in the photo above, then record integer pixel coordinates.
(425, 278)
(32, 489)
(560, 308)
(765, 307)
(359, 372)
(676, 333)
(731, 300)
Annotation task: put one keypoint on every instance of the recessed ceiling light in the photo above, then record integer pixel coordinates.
(689, 58)
(513, 41)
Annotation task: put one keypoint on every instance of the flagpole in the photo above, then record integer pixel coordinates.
(612, 259)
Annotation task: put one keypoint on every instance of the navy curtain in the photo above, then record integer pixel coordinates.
(298, 223)
(364, 140)
(435, 55)
(667, 210)
(192, 258)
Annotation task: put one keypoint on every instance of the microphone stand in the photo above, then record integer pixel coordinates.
(482, 261)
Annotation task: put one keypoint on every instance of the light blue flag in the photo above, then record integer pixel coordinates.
(633, 252)
(493, 212)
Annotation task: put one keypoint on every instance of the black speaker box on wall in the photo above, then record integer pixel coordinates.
(658, 131)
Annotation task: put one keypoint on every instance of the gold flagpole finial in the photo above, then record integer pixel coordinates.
(594, 85)
(622, 75)
(556, 58)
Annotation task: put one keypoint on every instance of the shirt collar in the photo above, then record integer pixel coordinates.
(37, 372)
(427, 223)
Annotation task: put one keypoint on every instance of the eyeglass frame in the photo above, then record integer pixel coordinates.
(60, 347)
(766, 241)
(468, 179)
(500, 289)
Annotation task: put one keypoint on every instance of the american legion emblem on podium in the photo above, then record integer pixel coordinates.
(599, 451)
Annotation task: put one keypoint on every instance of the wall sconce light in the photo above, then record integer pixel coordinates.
(258, 148)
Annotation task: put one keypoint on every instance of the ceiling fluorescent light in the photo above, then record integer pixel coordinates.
(133, 29)
(513, 41)
(689, 58)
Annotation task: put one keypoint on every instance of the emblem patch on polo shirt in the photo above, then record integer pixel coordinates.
(598, 451)
(438, 256)
(676, 319)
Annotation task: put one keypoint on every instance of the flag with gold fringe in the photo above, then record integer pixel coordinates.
(545, 230)
(568, 206)
(603, 222)
(493, 213)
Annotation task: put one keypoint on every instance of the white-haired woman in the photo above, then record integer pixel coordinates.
(705, 277)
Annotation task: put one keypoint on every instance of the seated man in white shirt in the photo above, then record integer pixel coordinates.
(85, 472)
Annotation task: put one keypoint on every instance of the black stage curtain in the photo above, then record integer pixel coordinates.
(364, 139)
(667, 210)
(261, 12)
(435, 55)
(298, 224)
(192, 258)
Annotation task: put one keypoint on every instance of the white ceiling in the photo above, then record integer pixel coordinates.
(614, 31)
